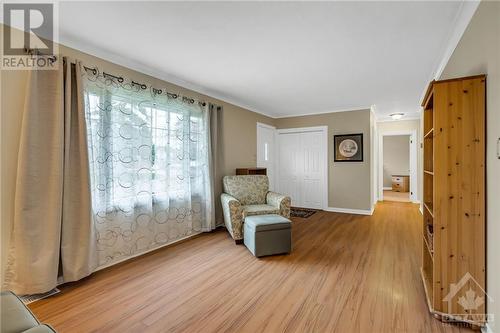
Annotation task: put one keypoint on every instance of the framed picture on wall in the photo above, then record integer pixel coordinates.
(348, 148)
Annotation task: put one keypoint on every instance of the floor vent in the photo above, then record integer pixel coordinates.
(27, 299)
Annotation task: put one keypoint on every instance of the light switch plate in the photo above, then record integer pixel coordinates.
(498, 148)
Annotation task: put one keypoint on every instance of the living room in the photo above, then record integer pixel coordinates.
(221, 166)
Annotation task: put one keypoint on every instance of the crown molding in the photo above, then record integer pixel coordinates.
(461, 21)
(161, 75)
(362, 108)
(156, 73)
(463, 17)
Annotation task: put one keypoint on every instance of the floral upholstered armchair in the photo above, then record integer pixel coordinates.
(249, 195)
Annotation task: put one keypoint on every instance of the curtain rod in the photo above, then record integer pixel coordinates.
(120, 79)
(33, 52)
(142, 86)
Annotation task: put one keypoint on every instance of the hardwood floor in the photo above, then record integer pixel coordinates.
(396, 196)
(347, 273)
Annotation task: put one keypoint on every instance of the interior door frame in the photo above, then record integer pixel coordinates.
(324, 132)
(273, 157)
(413, 166)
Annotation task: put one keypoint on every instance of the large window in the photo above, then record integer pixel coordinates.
(149, 166)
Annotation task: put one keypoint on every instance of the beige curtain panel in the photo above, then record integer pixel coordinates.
(215, 160)
(53, 238)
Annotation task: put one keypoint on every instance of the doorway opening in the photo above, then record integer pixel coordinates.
(398, 167)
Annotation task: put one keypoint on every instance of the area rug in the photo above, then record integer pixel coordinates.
(301, 212)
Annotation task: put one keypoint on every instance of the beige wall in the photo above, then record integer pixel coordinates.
(478, 52)
(238, 144)
(349, 184)
(396, 157)
(239, 138)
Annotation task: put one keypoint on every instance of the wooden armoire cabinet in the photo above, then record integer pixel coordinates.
(454, 203)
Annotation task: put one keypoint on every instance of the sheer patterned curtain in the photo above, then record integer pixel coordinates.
(149, 166)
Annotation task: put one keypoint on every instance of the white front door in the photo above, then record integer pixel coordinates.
(302, 168)
(266, 150)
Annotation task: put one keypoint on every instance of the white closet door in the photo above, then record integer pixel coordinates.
(313, 169)
(302, 167)
(290, 161)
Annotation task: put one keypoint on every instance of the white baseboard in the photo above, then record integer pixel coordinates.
(350, 211)
(420, 210)
(387, 188)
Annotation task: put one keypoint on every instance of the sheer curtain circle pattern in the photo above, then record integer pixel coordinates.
(149, 167)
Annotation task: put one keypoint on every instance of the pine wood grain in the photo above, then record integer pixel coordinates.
(347, 273)
(459, 188)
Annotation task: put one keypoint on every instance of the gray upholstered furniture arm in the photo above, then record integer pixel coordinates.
(43, 328)
(16, 317)
(233, 215)
(281, 201)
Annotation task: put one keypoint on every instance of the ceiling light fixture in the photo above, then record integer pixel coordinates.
(397, 116)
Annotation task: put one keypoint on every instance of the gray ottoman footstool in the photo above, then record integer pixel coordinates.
(266, 235)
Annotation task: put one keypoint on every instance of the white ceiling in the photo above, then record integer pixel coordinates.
(279, 59)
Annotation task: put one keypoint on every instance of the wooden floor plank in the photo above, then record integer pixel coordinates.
(390, 195)
(347, 273)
